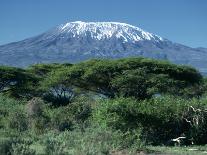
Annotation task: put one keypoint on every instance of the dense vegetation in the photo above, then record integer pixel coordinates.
(101, 107)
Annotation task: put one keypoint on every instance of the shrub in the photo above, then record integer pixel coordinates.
(54, 144)
(60, 119)
(37, 119)
(16, 146)
(5, 146)
(196, 117)
(161, 119)
(9, 108)
(18, 121)
(34, 107)
(22, 148)
(81, 108)
(76, 113)
(94, 140)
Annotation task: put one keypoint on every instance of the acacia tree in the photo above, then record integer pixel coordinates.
(56, 90)
(131, 77)
(16, 82)
(132, 83)
(137, 77)
(42, 70)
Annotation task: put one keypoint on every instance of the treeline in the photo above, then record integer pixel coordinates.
(140, 78)
(99, 106)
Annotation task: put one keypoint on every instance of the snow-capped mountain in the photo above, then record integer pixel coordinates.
(106, 30)
(77, 41)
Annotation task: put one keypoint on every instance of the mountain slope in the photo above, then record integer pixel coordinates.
(78, 41)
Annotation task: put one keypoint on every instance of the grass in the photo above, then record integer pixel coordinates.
(189, 150)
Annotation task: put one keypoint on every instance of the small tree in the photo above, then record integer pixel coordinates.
(17, 82)
(56, 90)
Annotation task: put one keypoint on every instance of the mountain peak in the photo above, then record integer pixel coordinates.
(77, 41)
(106, 30)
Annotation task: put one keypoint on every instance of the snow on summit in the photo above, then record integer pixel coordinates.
(79, 41)
(105, 30)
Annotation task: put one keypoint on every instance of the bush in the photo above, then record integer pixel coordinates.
(5, 146)
(16, 146)
(18, 121)
(67, 117)
(22, 148)
(81, 108)
(161, 119)
(34, 107)
(8, 108)
(94, 140)
(196, 117)
(60, 119)
(37, 119)
(54, 144)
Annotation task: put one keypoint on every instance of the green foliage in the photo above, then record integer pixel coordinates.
(56, 90)
(16, 82)
(92, 141)
(12, 114)
(196, 116)
(37, 118)
(81, 109)
(54, 145)
(5, 146)
(17, 121)
(22, 147)
(161, 119)
(16, 146)
(131, 77)
(43, 69)
(34, 107)
(21, 83)
(46, 88)
(66, 115)
(132, 83)
(88, 126)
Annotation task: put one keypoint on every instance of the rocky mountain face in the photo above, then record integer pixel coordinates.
(77, 41)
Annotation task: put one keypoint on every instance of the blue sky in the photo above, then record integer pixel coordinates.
(182, 21)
